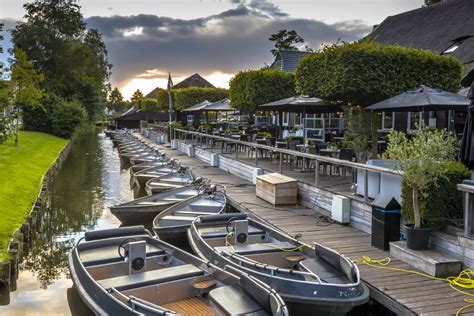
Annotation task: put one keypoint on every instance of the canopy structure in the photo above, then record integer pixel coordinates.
(219, 106)
(197, 107)
(300, 104)
(466, 152)
(422, 99)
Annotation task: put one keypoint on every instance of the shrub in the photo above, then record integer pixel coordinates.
(67, 116)
(364, 73)
(187, 97)
(443, 201)
(251, 88)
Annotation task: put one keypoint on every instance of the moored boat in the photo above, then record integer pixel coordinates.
(124, 271)
(170, 181)
(171, 224)
(311, 279)
(140, 178)
(144, 210)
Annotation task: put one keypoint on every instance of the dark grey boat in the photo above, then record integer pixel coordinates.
(154, 155)
(148, 164)
(145, 209)
(124, 271)
(171, 224)
(140, 178)
(125, 156)
(311, 279)
(170, 181)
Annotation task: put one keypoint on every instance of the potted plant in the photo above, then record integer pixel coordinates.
(419, 164)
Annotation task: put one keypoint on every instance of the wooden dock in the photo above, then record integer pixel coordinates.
(401, 292)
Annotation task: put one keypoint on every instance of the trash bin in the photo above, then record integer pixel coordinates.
(385, 221)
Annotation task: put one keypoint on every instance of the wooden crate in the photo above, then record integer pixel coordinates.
(277, 189)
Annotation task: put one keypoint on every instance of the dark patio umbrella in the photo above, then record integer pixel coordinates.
(300, 104)
(422, 99)
(466, 153)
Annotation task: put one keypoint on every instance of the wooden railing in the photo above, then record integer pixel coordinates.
(211, 140)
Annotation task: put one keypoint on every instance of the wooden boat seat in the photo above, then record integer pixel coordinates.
(234, 301)
(325, 271)
(252, 249)
(190, 307)
(191, 213)
(104, 255)
(130, 281)
(221, 232)
(162, 202)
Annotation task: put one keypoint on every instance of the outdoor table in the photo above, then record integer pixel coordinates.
(280, 144)
(304, 149)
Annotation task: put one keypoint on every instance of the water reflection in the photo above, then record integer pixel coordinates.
(88, 183)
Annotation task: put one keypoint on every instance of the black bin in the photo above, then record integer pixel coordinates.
(385, 221)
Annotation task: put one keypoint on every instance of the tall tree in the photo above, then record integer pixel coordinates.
(54, 37)
(285, 40)
(25, 84)
(115, 101)
(136, 97)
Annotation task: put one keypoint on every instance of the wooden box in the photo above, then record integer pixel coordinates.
(277, 189)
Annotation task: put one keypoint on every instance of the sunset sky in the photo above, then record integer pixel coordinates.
(146, 39)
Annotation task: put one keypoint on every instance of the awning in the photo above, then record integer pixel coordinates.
(301, 104)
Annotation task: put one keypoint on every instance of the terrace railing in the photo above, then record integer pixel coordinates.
(210, 141)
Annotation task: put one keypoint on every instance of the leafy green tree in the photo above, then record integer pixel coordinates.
(115, 101)
(91, 98)
(185, 97)
(136, 97)
(67, 116)
(53, 34)
(285, 40)
(25, 85)
(251, 88)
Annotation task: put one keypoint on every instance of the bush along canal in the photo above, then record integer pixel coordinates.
(78, 199)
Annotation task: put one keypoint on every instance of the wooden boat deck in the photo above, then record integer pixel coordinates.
(190, 307)
(401, 292)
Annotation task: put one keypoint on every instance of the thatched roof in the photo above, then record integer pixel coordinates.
(154, 93)
(436, 27)
(193, 81)
(287, 60)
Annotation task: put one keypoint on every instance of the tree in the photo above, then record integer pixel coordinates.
(115, 101)
(25, 84)
(136, 97)
(285, 40)
(55, 39)
(420, 160)
(248, 89)
(91, 98)
(67, 116)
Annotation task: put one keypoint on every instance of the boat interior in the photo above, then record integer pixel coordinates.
(177, 195)
(185, 212)
(144, 276)
(246, 244)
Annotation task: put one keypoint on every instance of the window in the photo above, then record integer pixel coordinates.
(387, 120)
(456, 43)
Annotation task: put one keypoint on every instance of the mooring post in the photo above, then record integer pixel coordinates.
(5, 283)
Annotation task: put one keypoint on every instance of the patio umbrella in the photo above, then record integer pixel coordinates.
(197, 107)
(466, 152)
(219, 106)
(422, 99)
(300, 104)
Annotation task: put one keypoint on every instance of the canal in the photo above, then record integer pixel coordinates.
(89, 181)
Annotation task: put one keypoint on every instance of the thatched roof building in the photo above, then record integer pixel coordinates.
(287, 60)
(444, 28)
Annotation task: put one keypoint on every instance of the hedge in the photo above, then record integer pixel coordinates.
(186, 97)
(443, 201)
(364, 73)
(248, 89)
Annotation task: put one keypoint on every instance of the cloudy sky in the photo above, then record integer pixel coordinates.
(146, 39)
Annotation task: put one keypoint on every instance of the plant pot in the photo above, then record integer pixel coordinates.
(418, 238)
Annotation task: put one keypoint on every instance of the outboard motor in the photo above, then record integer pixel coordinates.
(135, 255)
(240, 232)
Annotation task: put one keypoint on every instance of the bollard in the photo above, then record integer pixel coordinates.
(5, 283)
(13, 266)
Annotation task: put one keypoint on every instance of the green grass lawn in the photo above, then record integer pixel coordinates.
(21, 171)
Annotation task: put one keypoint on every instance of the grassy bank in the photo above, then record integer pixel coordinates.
(21, 171)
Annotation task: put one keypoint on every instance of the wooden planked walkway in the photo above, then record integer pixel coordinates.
(401, 292)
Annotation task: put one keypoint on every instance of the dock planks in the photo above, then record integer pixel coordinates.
(401, 292)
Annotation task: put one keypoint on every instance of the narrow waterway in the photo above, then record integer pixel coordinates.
(89, 181)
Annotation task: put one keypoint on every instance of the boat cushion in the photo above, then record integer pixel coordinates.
(130, 281)
(257, 248)
(104, 255)
(234, 301)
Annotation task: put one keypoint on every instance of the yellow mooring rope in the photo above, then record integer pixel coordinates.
(464, 280)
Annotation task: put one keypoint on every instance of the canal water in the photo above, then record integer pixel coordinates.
(89, 181)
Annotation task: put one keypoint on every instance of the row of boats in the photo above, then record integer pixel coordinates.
(240, 266)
